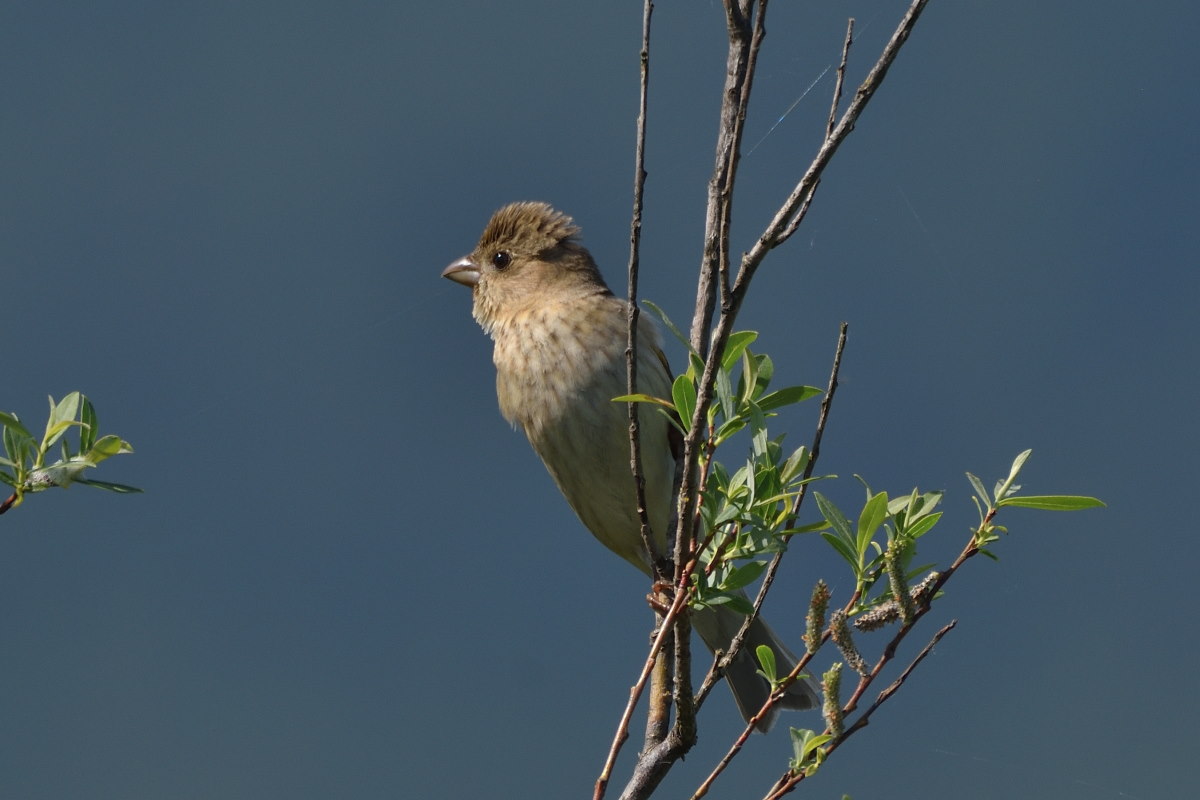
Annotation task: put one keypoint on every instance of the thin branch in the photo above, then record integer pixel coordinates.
(657, 719)
(841, 78)
(745, 36)
(665, 628)
(635, 238)
(788, 782)
(895, 685)
(783, 225)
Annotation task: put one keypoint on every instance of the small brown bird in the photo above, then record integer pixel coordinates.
(560, 338)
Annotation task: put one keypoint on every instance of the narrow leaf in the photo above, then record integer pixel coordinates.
(873, 514)
(834, 516)
(643, 398)
(666, 321)
(979, 490)
(683, 392)
(87, 415)
(1053, 502)
(10, 421)
(119, 488)
(734, 346)
(843, 547)
(743, 575)
(922, 525)
(788, 396)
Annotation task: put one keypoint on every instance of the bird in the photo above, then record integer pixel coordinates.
(559, 337)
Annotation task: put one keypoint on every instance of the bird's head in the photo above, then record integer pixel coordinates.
(527, 258)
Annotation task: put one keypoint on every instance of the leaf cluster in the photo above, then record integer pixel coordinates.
(745, 514)
(25, 466)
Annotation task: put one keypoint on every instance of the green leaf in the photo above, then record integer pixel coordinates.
(737, 342)
(643, 398)
(55, 432)
(1053, 502)
(804, 744)
(979, 490)
(765, 371)
(788, 396)
(730, 428)
(1006, 487)
(1018, 462)
(683, 392)
(758, 428)
(10, 421)
(725, 401)
(834, 516)
(922, 525)
(108, 446)
(62, 412)
(766, 660)
(795, 465)
(19, 445)
(87, 434)
(666, 321)
(736, 602)
(872, 516)
(743, 575)
(843, 547)
(119, 488)
(749, 377)
(811, 527)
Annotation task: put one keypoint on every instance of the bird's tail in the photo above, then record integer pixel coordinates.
(717, 626)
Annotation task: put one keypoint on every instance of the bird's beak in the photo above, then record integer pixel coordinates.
(463, 271)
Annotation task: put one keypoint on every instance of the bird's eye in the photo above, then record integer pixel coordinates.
(502, 259)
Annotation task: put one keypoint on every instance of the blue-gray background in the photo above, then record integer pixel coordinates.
(348, 578)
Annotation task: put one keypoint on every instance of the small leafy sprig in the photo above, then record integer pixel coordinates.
(747, 515)
(25, 468)
(885, 560)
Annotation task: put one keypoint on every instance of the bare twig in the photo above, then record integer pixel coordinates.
(635, 238)
(841, 78)
(788, 218)
(746, 31)
(789, 781)
(659, 714)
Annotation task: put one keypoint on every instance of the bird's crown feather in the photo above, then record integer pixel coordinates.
(537, 226)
